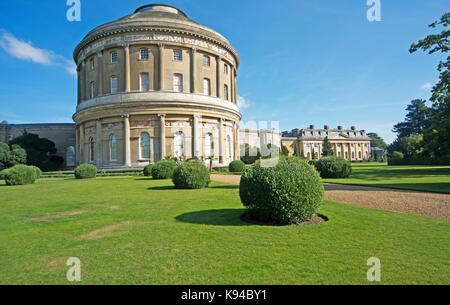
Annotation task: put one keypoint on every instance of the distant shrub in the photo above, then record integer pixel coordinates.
(19, 175)
(289, 193)
(236, 166)
(334, 167)
(163, 169)
(396, 155)
(85, 171)
(148, 170)
(191, 175)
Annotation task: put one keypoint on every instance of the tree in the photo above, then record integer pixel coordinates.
(12, 156)
(40, 152)
(377, 141)
(249, 155)
(410, 147)
(4, 151)
(416, 121)
(327, 149)
(437, 135)
(284, 151)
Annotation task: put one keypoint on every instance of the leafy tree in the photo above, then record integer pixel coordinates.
(437, 136)
(12, 156)
(397, 155)
(4, 151)
(377, 141)
(40, 152)
(284, 151)
(249, 155)
(327, 149)
(416, 121)
(410, 147)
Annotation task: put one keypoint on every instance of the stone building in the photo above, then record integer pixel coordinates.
(154, 84)
(351, 144)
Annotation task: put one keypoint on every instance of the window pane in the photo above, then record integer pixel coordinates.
(91, 150)
(114, 84)
(114, 57)
(144, 54)
(178, 148)
(225, 92)
(206, 61)
(113, 148)
(177, 55)
(92, 90)
(145, 146)
(206, 86)
(145, 82)
(208, 146)
(178, 83)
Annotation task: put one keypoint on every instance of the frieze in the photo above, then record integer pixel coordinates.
(178, 124)
(144, 124)
(112, 126)
(89, 130)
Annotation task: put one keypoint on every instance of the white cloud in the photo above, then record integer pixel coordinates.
(26, 51)
(427, 86)
(243, 103)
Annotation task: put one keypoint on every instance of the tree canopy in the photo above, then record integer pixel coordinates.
(416, 121)
(377, 141)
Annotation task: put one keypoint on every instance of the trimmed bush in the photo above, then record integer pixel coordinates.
(85, 171)
(334, 167)
(37, 170)
(191, 175)
(148, 170)
(289, 193)
(19, 175)
(236, 166)
(163, 169)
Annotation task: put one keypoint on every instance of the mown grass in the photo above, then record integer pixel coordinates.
(140, 231)
(420, 178)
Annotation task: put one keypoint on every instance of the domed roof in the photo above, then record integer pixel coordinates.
(157, 17)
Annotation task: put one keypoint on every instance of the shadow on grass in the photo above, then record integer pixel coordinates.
(161, 188)
(228, 187)
(225, 217)
(144, 179)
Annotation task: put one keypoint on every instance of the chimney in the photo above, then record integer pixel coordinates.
(353, 128)
(311, 127)
(340, 128)
(326, 127)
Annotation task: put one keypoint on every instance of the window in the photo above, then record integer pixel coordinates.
(114, 83)
(144, 54)
(225, 68)
(114, 57)
(145, 146)
(177, 55)
(178, 83)
(206, 61)
(70, 156)
(178, 145)
(91, 150)
(228, 148)
(92, 90)
(112, 148)
(360, 155)
(144, 82)
(225, 92)
(206, 86)
(353, 155)
(92, 64)
(209, 151)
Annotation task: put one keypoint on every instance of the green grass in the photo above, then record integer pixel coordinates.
(421, 178)
(167, 236)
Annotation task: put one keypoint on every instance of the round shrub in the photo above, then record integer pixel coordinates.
(85, 171)
(236, 166)
(191, 175)
(334, 167)
(19, 175)
(289, 193)
(397, 155)
(163, 169)
(37, 170)
(148, 170)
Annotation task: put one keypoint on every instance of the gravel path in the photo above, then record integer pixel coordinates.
(402, 201)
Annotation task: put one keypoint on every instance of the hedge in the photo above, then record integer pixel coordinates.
(85, 171)
(419, 161)
(19, 175)
(289, 193)
(236, 166)
(163, 169)
(191, 175)
(148, 170)
(333, 167)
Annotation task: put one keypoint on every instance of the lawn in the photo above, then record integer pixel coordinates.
(421, 178)
(130, 230)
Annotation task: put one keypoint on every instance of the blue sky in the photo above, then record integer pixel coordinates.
(302, 62)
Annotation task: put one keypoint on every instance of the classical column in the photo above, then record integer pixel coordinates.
(218, 77)
(126, 136)
(235, 86)
(100, 73)
(221, 153)
(83, 81)
(196, 136)
(231, 85)
(236, 141)
(81, 147)
(127, 69)
(161, 66)
(193, 70)
(79, 84)
(99, 139)
(162, 135)
(77, 144)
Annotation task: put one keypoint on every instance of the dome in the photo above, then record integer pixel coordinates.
(157, 18)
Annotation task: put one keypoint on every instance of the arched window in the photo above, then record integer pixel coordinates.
(353, 155)
(178, 145)
(209, 151)
(70, 156)
(144, 81)
(360, 155)
(112, 148)
(114, 84)
(206, 87)
(91, 150)
(145, 146)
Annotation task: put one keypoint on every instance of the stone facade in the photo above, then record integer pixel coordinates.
(351, 144)
(63, 135)
(155, 84)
